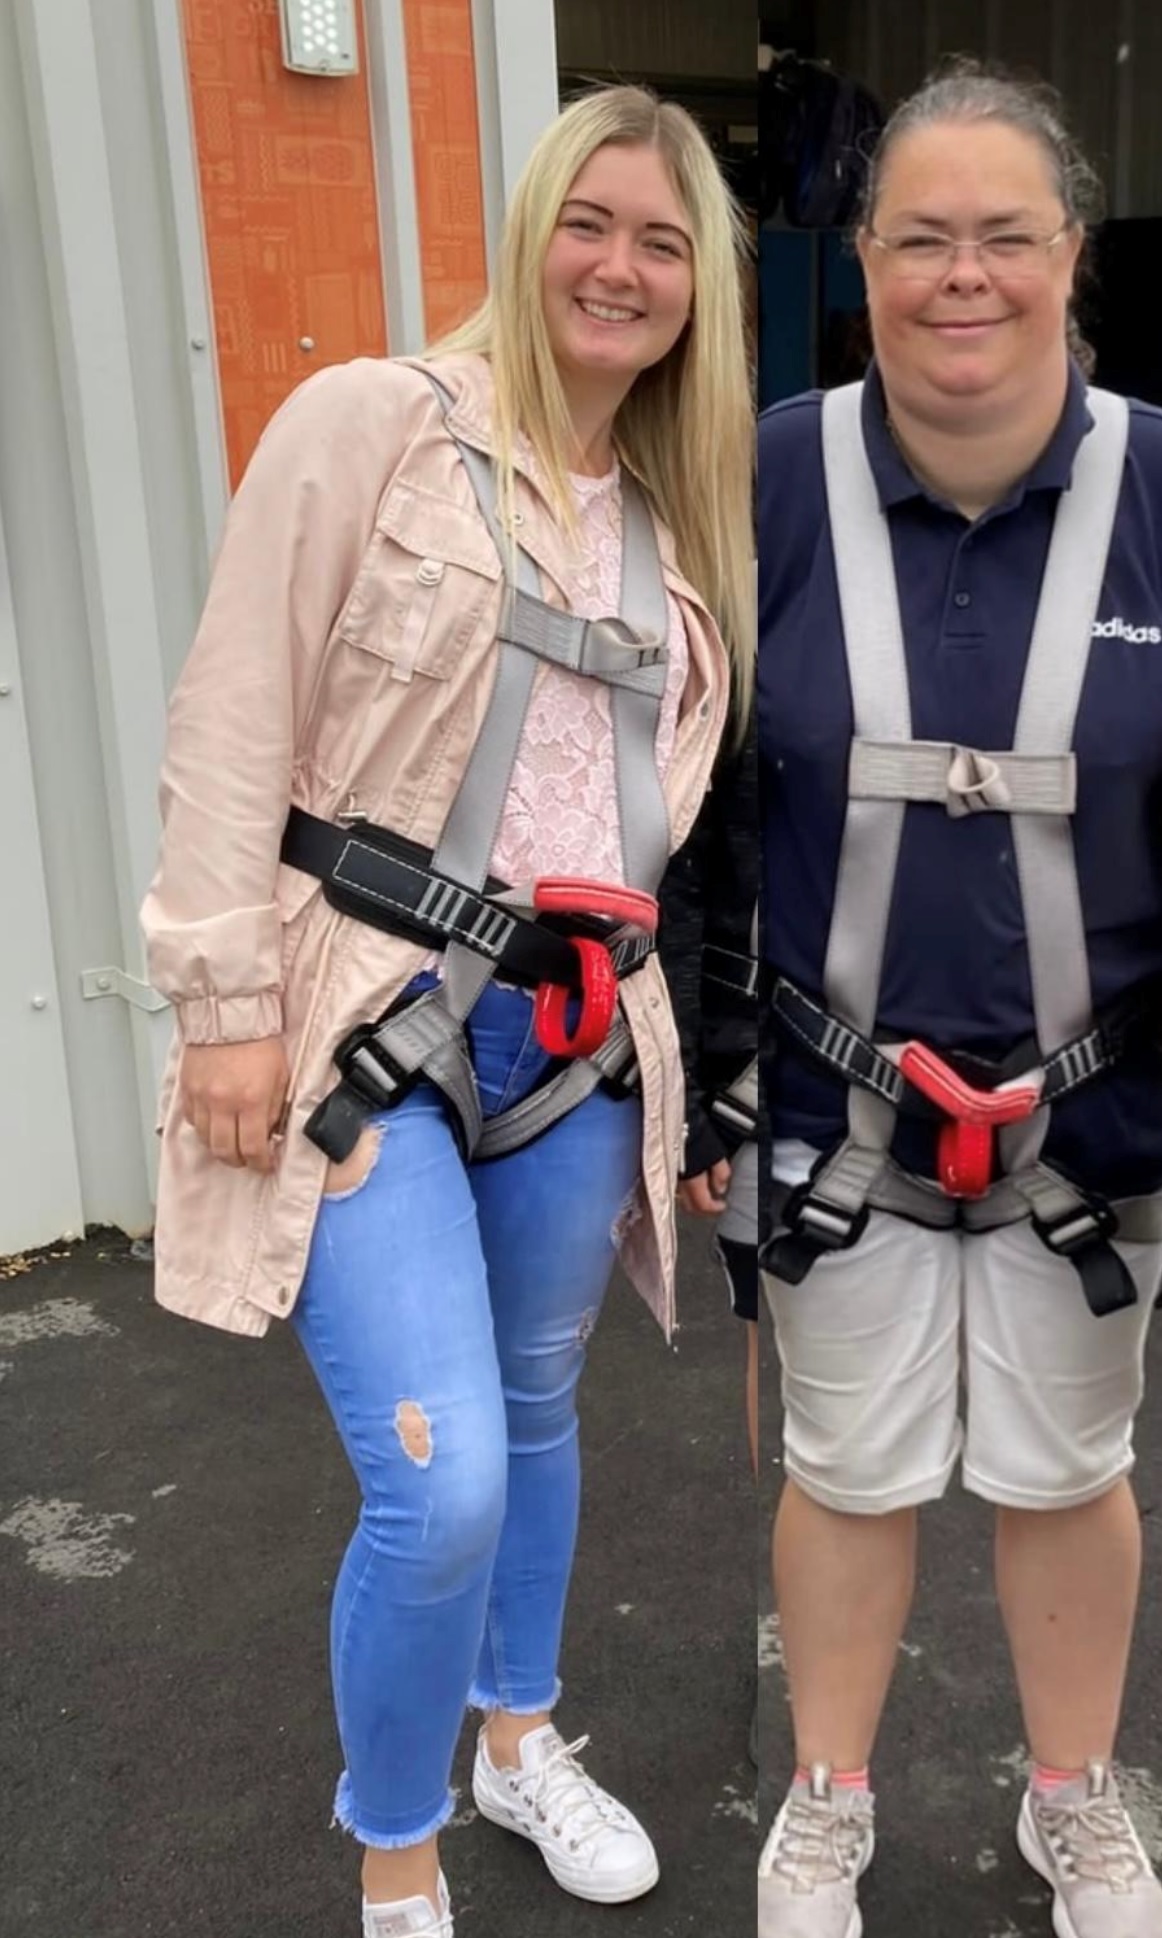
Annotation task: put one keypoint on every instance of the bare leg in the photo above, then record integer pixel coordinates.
(390, 1877)
(503, 1733)
(1067, 1583)
(843, 1584)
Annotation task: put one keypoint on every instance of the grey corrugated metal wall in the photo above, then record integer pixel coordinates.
(1106, 59)
(677, 38)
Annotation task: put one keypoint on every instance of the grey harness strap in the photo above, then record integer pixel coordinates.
(960, 779)
(628, 654)
(615, 1062)
(736, 1105)
(1035, 783)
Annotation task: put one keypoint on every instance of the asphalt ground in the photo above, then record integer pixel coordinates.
(172, 1510)
(173, 1507)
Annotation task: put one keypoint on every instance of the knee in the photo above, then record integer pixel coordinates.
(462, 1524)
(541, 1402)
(441, 1506)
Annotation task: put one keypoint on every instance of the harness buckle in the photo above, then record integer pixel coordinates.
(369, 1081)
(366, 1066)
(828, 1226)
(972, 1116)
(1076, 1227)
(735, 1116)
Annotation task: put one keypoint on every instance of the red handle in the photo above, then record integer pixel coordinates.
(598, 1002)
(965, 1144)
(574, 895)
(964, 1157)
(951, 1094)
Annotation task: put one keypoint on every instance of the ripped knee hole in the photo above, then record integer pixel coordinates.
(414, 1432)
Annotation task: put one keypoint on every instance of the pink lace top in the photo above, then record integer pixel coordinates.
(560, 816)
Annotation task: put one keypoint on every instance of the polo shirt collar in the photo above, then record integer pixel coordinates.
(896, 482)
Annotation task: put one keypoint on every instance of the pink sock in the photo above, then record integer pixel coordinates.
(1045, 1781)
(840, 1779)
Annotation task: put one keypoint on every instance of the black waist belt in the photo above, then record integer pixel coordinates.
(388, 882)
(857, 1060)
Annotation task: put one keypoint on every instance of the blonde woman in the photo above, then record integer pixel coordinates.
(413, 540)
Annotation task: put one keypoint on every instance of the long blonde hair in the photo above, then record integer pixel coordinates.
(687, 426)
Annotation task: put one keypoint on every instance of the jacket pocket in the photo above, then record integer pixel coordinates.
(423, 584)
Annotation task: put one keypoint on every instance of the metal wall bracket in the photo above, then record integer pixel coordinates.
(115, 982)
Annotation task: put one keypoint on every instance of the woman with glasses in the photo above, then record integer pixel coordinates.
(960, 721)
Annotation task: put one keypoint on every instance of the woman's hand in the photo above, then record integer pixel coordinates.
(705, 1195)
(234, 1094)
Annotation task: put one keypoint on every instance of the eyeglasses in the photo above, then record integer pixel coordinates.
(922, 257)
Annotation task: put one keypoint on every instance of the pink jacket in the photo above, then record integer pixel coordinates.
(343, 662)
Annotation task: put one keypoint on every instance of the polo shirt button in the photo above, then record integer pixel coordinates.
(963, 599)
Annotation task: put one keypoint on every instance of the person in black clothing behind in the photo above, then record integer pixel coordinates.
(707, 949)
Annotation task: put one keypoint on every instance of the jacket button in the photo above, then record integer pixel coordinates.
(284, 1294)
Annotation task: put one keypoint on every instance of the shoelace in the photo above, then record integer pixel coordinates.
(816, 1844)
(1093, 1840)
(560, 1792)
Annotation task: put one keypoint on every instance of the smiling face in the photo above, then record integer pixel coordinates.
(975, 337)
(618, 279)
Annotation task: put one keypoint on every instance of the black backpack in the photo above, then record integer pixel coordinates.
(818, 131)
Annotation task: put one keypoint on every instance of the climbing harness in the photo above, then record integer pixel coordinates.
(993, 1119)
(571, 940)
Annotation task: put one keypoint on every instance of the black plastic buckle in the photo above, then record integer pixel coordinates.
(625, 1083)
(1082, 1238)
(808, 1229)
(1089, 1220)
(738, 1120)
(825, 1225)
(368, 1070)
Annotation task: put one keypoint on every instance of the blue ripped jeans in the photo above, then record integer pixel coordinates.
(445, 1313)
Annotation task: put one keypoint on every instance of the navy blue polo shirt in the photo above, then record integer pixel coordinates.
(956, 971)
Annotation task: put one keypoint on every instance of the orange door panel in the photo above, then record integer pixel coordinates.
(446, 150)
(287, 176)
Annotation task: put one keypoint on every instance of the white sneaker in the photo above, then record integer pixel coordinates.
(592, 1846)
(411, 1918)
(821, 1844)
(1081, 1841)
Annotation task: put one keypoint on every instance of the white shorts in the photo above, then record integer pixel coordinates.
(877, 1342)
(740, 1220)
